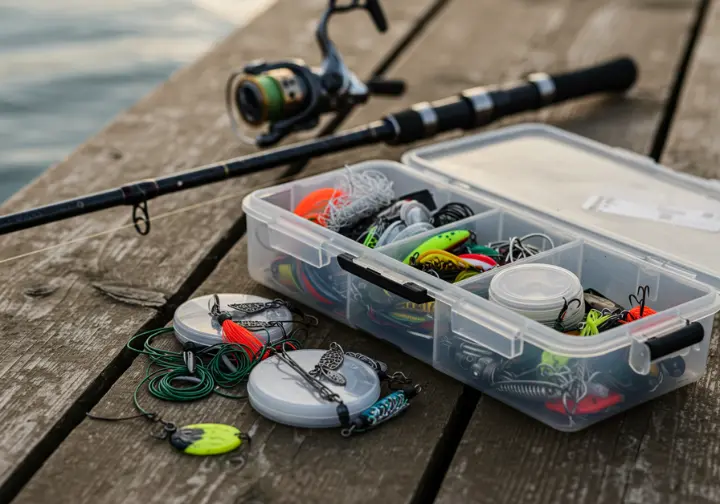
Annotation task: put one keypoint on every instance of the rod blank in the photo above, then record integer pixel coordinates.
(470, 109)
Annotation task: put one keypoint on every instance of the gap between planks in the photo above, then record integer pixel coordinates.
(121, 363)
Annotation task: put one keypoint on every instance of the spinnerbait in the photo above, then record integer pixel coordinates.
(382, 411)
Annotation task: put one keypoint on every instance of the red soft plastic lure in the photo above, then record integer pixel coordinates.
(589, 405)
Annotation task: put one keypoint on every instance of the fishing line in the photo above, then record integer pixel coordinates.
(131, 225)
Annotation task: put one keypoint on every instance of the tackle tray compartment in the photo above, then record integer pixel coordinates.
(456, 328)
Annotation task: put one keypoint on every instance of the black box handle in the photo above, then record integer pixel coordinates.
(689, 335)
(410, 291)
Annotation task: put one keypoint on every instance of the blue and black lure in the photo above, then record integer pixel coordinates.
(384, 410)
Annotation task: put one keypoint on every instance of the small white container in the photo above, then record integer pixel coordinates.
(279, 393)
(618, 221)
(539, 292)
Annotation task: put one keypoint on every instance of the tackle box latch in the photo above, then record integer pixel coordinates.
(643, 352)
(407, 290)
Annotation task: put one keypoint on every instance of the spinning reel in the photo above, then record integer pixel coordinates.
(290, 96)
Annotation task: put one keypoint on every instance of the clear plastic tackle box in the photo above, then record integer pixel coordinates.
(617, 220)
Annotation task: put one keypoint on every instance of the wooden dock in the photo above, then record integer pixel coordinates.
(67, 312)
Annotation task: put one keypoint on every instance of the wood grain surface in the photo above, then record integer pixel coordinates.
(504, 456)
(660, 452)
(66, 313)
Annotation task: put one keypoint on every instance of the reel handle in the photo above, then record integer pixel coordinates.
(377, 15)
(482, 105)
(386, 87)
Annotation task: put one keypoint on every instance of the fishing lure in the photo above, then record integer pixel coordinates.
(531, 389)
(464, 275)
(479, 261)
(593, 323)
(474, 248)
(204, 439)
(425, 307)
(440, 260)
(383, 410)
(390, 234)
(412, 230)
(409, 317)
(588, 405)
(314, 206)
(329, 363)
(449, 240)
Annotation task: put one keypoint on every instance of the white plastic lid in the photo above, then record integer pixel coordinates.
(193, 323)
(535, 287)
(277, 392)
(540, 291)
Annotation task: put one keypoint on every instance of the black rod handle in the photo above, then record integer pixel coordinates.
(483, 105)
(689, 335)
(614, 76)
(410, 291)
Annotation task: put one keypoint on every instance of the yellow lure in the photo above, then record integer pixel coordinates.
(444, 241)
(554, 360)
(425, 308)
(206, 439)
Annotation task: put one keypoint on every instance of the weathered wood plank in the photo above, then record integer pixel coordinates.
(291, 465)
(659, 452)
(56, 345)
(676, 457)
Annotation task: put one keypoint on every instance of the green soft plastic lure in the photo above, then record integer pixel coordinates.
(444, 241)
(207, 439)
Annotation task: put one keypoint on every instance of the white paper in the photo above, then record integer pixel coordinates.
(707, 220)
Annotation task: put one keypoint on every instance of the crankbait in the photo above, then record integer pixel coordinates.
(479, 261)
(474, 248)
(445, 241)
(204, 439)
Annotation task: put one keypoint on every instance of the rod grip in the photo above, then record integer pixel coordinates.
(485, 104)
(617, 75)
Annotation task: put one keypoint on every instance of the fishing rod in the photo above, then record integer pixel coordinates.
(469, 109)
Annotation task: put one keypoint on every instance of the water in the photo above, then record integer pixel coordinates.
(67, 67)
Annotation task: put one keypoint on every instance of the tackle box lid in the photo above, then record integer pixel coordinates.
(665, 217)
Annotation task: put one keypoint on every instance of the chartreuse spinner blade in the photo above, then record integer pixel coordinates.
(207, 439)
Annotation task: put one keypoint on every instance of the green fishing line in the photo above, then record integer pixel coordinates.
(218, 368)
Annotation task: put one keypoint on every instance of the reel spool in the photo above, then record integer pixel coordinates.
(290, 96)
(193, 323)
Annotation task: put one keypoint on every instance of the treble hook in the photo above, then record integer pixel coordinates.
(645, 290)
(563, 311)
(141, 222)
